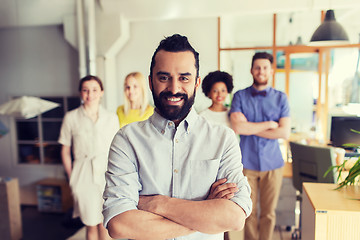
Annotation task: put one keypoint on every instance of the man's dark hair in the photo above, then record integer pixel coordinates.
(214, 77)
(175, 43)
(261, 55)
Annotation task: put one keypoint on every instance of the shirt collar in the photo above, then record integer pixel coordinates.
(101, 110)
(82, 109)
(161, 123)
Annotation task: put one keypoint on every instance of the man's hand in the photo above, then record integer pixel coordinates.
(213, 215)
(273, 125)
(221, 189)
(242, 126)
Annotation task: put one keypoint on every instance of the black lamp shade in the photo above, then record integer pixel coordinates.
(329, 30)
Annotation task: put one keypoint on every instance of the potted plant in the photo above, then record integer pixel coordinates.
(354, 172)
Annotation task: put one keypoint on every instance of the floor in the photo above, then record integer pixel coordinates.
(46, 226)
(282, 234)
(60, 226)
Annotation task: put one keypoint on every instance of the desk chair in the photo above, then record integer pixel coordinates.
(309, 163)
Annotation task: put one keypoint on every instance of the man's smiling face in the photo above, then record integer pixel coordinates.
(174, 83)
(261, 71)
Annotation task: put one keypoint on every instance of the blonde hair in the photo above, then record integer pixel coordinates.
(144, 101)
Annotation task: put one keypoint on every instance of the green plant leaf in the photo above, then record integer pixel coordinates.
(355, 131)
(354, 171)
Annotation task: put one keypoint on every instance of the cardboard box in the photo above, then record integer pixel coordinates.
(53, 195)
(10, 213)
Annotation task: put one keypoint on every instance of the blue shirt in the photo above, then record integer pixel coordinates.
(261, 154)
(153, 157)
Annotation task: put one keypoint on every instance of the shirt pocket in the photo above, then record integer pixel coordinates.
(203, 175)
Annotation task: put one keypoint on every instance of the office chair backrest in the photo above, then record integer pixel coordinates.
(309, 163)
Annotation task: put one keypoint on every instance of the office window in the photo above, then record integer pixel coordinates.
(37, 137)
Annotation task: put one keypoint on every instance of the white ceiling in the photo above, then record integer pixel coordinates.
(15, 13)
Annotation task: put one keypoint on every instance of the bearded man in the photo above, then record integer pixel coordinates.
(175, 176)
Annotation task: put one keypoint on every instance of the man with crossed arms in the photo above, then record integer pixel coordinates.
(175, 176)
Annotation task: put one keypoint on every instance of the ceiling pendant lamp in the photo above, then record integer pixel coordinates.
(330, 32)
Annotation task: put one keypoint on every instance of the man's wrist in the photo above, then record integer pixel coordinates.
(161, 204)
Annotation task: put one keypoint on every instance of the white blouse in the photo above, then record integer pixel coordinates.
(220, 118)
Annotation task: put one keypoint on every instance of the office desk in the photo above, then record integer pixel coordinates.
(329, 214)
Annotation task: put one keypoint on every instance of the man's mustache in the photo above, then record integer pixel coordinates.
(169, 94)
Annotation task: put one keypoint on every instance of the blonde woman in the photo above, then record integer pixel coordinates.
(88, 130)
(136, 107)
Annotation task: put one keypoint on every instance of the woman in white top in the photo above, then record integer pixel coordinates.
(88, 132)
(216, 86)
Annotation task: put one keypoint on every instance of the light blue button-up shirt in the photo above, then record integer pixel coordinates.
(153, 157)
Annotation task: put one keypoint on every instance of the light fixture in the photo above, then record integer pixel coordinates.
(26, 107)
(330, 32)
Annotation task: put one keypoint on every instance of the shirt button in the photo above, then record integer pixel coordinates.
(177, 141)
(176, 171)
(162, 131)
(170, 124)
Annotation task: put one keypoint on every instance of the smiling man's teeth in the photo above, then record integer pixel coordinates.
(174, 99)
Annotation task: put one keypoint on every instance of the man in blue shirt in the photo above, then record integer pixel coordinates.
(166, 175)
(261, 115)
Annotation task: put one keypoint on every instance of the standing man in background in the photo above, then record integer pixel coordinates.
(261, 115)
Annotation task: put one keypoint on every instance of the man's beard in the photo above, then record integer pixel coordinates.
(257, 83)
(173, 112)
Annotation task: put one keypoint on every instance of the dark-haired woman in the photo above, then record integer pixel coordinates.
(216, 86)
(88, 130)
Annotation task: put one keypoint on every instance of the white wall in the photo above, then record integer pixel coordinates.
(146, 36)
(34, 61)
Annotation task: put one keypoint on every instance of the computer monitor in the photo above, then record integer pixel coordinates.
(340, 132)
